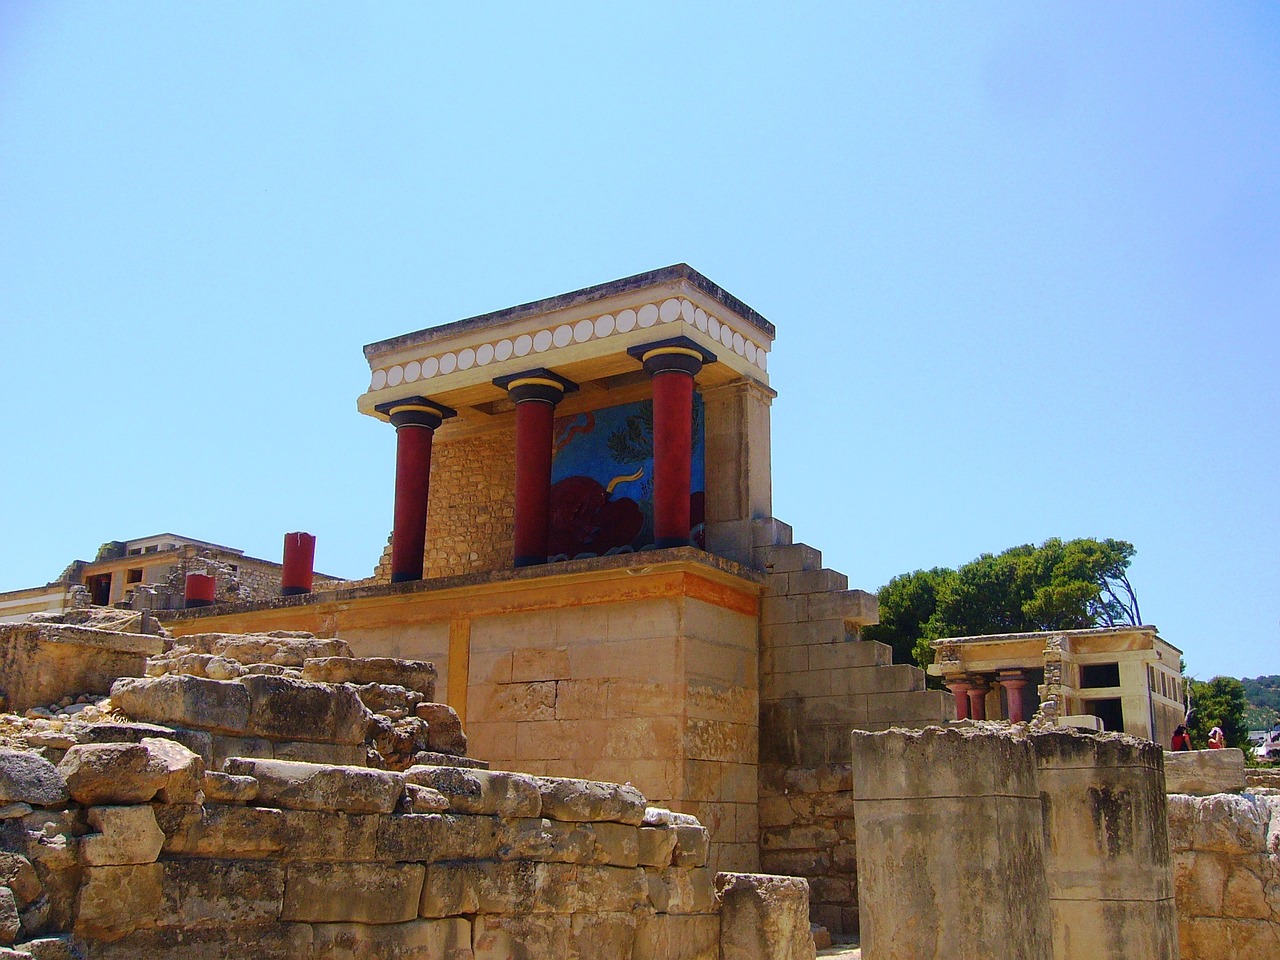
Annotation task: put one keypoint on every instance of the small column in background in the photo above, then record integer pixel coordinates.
(299, 564)
(978, 701)
(960, 690)
(199, 591)
(1013, 681)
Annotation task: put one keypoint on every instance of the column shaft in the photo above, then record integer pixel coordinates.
(534, 419)
(978, 703)
(961, 692)
(413, 480)
(672, 456)
(297, 572)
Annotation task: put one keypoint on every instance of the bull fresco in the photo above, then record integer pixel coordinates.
(602, 481)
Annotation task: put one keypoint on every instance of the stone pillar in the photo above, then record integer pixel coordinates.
(1110, 873)
(672, 364)
(950, 849)
(415, 420)
(299, 564)
(1013, 681)
(535, 394)
(960, 690)
(199, 590)
(977, 701)
(739, 482)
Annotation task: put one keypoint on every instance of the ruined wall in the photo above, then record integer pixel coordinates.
(471, 516)
(660, 693)
(1226, 851)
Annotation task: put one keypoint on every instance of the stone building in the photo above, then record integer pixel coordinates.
(148, 573)
(1120, 679)
(584, 545)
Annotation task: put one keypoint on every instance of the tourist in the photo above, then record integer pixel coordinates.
(1181, 740)
(1216, 739)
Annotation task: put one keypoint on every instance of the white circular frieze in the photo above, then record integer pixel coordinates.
(739, 344)
(430, 367)
(412, 371)
(700, 319)
(448, 363)
(726, 335)
(502, 351)
(395, 375)
(686, 311)
(466, 358)
(648, 315)
(669, 310)
(582, 330)
(626, 321)
(751, 352)
(484, 354)
(563, 335)
(379, 380)
(604, 325)
(713, 328)
(524, 343)
(542, 340)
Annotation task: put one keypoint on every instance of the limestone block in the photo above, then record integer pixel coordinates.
(117, 900)
(1204, 772)
(524, 937)
(616, 844)
(342, 754)
(788, 558)
(17, 873)
(682, 891)
(107, 773)
(197, 741)
(1143, 930)
(181, 768)
(412, 674)
(851, 606)
(125, 835)
(519, 702)
(285, 709)
(310, 786)
(384, 697)
(692, 843)
(327, 837)
(433, 837)
(10, 922)
(481, 791)
(267, 941)
(222, 748)
(27, 777)
(662, 817)
(815, 581)
(446, 939)
(40, 663)
(444, 728)
(536, 838)
(535, 663)
(220, 706)
(201, 892)
(799, 863)
(1233, 824)
(657, 844)
(602, 936)
(764, 917)
(588, 800)
(584, 699)
(222, 831)
(416, 799)
(352, 892)
(662, 936)
(225, 788)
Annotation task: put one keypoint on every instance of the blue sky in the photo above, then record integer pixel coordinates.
(1024, 261)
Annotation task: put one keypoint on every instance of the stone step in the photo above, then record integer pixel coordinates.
(788, 558)
(852, 606)
(825, 580)
(770, 532)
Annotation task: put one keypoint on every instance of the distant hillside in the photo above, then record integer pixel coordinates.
(1263, 697)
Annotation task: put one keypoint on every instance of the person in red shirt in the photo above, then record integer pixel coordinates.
(1181, 740)
(1217, 740)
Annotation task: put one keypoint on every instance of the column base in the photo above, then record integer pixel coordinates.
(293, 591)
(189, 604)
(404, 577)
(663, 543)
(530, 561)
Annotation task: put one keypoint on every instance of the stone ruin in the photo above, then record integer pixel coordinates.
(272, 796)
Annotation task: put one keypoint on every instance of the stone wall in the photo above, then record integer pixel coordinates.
(471, 516)
(135, 851)
(40, 663)
(1226, 850)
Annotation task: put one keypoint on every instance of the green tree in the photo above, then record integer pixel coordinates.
(1059, 585)
(1218, 703)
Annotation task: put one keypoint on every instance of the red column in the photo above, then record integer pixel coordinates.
(415, 420)
(299, 564)
(672, 364)
(960, 690)
(1013, 684)
(535, 393)
(199, 590)
(978, 702)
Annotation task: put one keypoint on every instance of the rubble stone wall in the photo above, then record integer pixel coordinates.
(1226, 851)
(474, 478)
(135, 851)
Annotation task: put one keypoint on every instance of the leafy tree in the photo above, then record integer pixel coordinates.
(1059, 585)
(1218, 703)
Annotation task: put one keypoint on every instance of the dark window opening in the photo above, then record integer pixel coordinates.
(1109, 712)
(1100, 675)
(99, 589)
(134, 575)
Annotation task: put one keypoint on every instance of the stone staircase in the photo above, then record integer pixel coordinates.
(818, 679)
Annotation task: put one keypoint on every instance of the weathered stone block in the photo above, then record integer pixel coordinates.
(692, 845)
(587, 800)
(416, 675)
(416, 799)
(531, 936)
(680, 890)
(42, 663)
(481, 791)
(1204, 772)
(602, 936)
(657, 844)
(446, 939)
(219, 706)
(432, 837)
(200, 892)
(309, 786)
(107, 773)
(197, 741)
(284, 709)
(444, 728)
(17, 873)
(10, 922)
(117, 900)
(764, 917)
(125, 835)
(27, 777)
(218, 831)
(227, 788)
(534, 838)
(665, 937)
(352, 892)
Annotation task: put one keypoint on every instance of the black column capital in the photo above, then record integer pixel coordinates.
(536, 384)
(676, 354)
(415, 412)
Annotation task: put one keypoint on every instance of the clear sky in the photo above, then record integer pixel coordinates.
(1023, 258)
